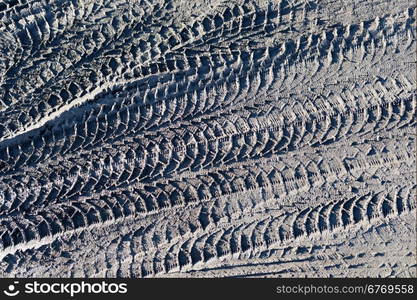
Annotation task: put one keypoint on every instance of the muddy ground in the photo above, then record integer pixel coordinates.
(207, 138)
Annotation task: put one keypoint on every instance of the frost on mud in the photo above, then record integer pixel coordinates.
(207, 138)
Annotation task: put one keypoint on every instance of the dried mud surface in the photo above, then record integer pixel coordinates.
(207, 138)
